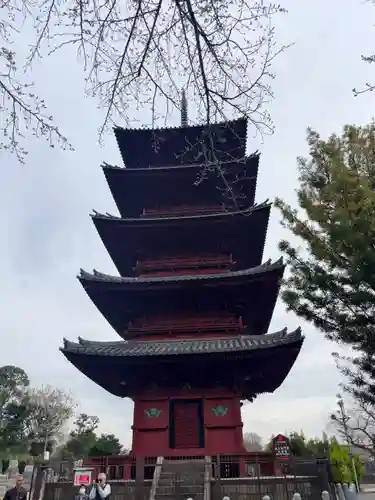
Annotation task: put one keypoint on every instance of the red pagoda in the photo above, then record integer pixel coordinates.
(192, 301)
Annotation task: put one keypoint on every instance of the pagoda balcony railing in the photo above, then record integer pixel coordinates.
(187, 325)
(185, 263)
(249, 465)
(182, 210)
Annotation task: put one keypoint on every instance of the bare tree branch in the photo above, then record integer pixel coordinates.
(221, 51)
(252, 441)
(369, 87)
(141, 53)
(356, 426)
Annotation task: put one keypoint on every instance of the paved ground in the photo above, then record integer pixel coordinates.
(368, 492)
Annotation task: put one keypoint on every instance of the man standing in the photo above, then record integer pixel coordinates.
(18, 492)
(100, 489)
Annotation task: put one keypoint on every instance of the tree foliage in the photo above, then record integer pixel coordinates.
(51, 409)
(31, 419)
(106, 445)
(13, 382)
(82, 438)
(84, 442)
(339, 454)
(14, 409)
(141, 53)
(332, 276)
(342, 464)
(300, 446)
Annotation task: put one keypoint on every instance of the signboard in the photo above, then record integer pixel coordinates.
(82, 477)
(281, 447)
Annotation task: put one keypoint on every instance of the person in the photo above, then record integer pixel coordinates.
(82, 495)
(100, 490)
(18, 492)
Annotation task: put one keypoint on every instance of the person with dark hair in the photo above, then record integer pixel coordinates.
(82, 495)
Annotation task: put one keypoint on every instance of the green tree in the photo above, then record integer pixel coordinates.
(82, 438)
(14, 410)
(84, 424)
(106, 444)
(300, 446)
(13, 384)
(342, 464)
(332, 277)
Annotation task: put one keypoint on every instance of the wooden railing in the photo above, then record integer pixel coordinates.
(182, 210)
(184, 262)
(188, 324)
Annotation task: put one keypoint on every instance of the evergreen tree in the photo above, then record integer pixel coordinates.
(106, 445)
(332, 277)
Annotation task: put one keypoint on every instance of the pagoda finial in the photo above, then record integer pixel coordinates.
(184, 109)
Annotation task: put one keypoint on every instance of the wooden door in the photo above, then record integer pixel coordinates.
(187, 424)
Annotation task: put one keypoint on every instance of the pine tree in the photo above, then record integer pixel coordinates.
(332, 276)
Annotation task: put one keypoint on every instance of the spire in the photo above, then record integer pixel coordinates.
(184, 110)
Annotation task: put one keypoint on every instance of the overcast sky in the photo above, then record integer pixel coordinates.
(47, 234)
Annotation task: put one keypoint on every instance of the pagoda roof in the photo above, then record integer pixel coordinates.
(182, 145)
(241, 234)
(250, 292)
(135, 188)
(149, 280)
(172, 347)
(119, 366)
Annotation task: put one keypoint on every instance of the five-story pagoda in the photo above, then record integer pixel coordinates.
(193, 301)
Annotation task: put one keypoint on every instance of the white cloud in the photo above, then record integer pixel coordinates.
(47, 234)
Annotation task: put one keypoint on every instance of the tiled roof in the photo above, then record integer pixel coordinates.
(157, 147)
(263, 268)
(217, 215)
(179, 168)
(187, 346)
(178, 128)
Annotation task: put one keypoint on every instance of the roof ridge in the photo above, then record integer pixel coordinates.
(98, 276)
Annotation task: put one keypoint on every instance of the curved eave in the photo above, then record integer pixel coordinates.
(127, 240)
(155, 221)
(178, 170)
(121, 299)
(154, 282)
(158, 147)
(94, 345)
(273, 383)
(174, 347)
(134, 188)
(109, 366)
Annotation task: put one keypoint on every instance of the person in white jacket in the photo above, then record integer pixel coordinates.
(100, 490)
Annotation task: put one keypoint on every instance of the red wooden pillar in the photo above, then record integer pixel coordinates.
(127, 471)
(243, 466)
